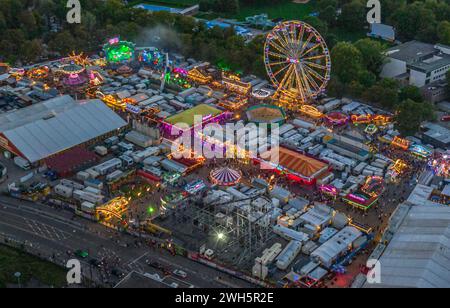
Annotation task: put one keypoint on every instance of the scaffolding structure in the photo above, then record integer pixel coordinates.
(237, 229)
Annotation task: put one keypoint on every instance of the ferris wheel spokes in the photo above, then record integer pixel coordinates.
(297, 61)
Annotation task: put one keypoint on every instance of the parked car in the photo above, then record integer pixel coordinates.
(180, 273)
(81, 254)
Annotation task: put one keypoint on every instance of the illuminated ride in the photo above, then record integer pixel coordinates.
(297, 61)
(178, 76)
(373, 186)
(371, 129)
(261, 94)
(152, 57)
(367, 195)
(38, 73)
(311, 111)
(73, 75)
(420, 150)
(225, 176)
(378, 120)
(79, 59)
(397, 169)
(17, 73)
(329, 190)
(115, 208)
(440, 164)
(117, 51)
(361, 119)
(401, 143)
(111, 101)
(336, 118)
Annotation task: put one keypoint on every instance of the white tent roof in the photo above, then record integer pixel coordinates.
(418, 254)
(68, 126)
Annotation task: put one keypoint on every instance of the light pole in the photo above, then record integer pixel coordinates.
(17, 275)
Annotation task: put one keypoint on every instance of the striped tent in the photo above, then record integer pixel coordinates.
(225, 176)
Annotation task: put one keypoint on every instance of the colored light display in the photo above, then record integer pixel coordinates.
(329, 190)
(152, 57)
(311, 111)
(297, 61)
(401, 143)
(420, 150)
(119, 51)
(440, 164)
(373, 186)
(337, 118)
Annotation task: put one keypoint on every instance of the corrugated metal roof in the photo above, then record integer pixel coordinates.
(17, 118)
(40, 138)
(418, 254)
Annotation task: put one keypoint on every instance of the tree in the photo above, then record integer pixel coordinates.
(346, 62)
(353, 16)
(443, 32)
(384, 92)
(410, 92)
(63, 43)
(335, 88)
(355, 89)
(410, 115)
(372, 54)
(328, 15)
(32, 50)
(318, 24)
(412, 20)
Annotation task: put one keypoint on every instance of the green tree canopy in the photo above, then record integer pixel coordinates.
(410, 115)
(410, 92)
(346, 62)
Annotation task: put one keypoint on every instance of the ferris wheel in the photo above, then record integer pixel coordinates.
(297, 60)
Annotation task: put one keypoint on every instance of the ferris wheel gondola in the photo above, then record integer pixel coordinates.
(297, 61)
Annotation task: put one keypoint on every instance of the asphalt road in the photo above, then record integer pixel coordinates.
(53, 233)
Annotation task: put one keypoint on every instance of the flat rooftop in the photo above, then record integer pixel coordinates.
(411, 51)
(418, 254)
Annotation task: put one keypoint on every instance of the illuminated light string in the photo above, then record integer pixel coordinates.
(297, 61)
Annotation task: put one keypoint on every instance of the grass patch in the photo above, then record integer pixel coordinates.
(13, 260)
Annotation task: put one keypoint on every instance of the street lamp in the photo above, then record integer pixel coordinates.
(17, 275)
(220, 236)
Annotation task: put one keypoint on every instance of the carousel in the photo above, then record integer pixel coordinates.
(73, 75)
(225, 176)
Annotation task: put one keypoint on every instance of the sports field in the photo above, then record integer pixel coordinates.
(287, 10)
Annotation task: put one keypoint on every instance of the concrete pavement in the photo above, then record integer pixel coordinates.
(52, 233)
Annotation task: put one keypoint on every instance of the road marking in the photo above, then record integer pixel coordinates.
(46, 231)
